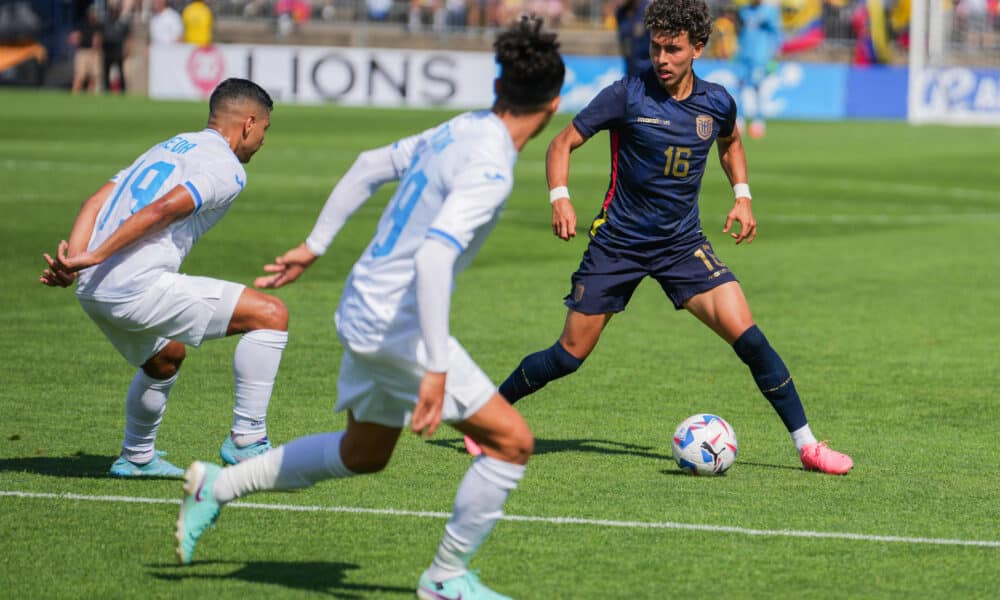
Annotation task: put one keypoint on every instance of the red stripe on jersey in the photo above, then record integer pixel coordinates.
(614, 168)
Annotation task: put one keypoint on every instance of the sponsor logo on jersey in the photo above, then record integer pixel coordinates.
(653, 121)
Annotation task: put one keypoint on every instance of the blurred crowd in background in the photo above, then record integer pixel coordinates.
(101, 33)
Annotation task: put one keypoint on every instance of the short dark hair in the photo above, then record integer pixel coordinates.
(234, 90)
(531, 69)
(675, 16)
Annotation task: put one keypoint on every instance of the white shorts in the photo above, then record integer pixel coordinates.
(381, 386)
(177, 307)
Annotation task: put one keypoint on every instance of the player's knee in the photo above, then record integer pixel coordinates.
(273, 314)
(167, 362)
(517, 447)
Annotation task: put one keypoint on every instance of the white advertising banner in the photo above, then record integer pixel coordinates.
(314, 75)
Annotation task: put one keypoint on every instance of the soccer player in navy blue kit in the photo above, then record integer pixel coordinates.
(662, 125)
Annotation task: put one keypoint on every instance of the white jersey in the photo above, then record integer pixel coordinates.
(458, 177)
(200, 161)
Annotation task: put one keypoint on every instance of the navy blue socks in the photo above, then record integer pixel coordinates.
(771, 376)
(538, 369)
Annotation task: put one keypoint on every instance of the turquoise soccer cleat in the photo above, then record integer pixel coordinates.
(199, 509)
(463, 587)
(154, 468)
(232, 454)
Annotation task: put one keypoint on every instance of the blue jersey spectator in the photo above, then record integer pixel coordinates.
(759, 42)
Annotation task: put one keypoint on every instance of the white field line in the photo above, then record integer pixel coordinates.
(860, 537)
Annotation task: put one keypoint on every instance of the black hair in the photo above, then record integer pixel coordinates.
(675, 16)
(531, 69)
(237, 90)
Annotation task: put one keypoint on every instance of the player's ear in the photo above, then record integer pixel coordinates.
(698, 48)
(249, 122)
(554, 104)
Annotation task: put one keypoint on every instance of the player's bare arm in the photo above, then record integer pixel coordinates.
(557, 175)
(172, 206)
(286, 268)
(83, 228)
(734, 163)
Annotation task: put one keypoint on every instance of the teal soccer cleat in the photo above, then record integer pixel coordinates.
(154, 468)
(463, 587)
(232, 454)
(199, 509)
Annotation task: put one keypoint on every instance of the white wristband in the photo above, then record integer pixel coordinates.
(557, 193)
(742, 190)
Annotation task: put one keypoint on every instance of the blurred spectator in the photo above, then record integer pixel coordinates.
(197, 19)
(759, 41)
(419, 11)
(633, 37)
(290, 14)
(455, 13)
(976, 21)
(165, 25)
(508, 11)
(86, 38)
(451, 14)
(549, 10)
(722, 44)
(378, 10)
(483, 13)
(115, 33)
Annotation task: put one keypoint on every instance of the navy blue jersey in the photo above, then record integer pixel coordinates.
(659, 148)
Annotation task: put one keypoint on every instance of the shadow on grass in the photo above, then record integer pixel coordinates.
(580, 445)
(76, 465)
(324, 577)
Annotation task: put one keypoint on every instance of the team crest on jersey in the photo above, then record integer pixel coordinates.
(578, 292)
(703, 126)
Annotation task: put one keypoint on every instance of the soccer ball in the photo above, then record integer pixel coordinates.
(705, 445)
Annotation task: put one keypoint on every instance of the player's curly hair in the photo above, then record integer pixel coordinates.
(675, 16)
(531, 69)
(235, 90)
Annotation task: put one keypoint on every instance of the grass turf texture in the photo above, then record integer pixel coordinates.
(874, 275)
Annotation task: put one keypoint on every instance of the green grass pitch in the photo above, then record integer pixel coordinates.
(875, 275)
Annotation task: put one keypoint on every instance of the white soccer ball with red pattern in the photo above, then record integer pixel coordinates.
(705, 445)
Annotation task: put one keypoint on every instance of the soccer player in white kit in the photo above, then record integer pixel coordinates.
(125, 249)
(400, 364)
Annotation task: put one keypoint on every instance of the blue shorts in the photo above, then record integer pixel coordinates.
(607, 276)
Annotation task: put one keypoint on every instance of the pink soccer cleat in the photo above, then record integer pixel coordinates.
(472, 447)
(819, 457)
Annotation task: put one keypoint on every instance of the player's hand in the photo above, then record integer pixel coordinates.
(286, 268)
(62, 269)
(427, 414)
(563, 219)
(742, 214)
(57, 275)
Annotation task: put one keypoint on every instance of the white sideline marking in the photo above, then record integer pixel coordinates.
(861, 537)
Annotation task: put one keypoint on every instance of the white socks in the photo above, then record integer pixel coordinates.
(478, 506)
(299, 463)
(255, 365)
(144, 407)
(803, 436)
